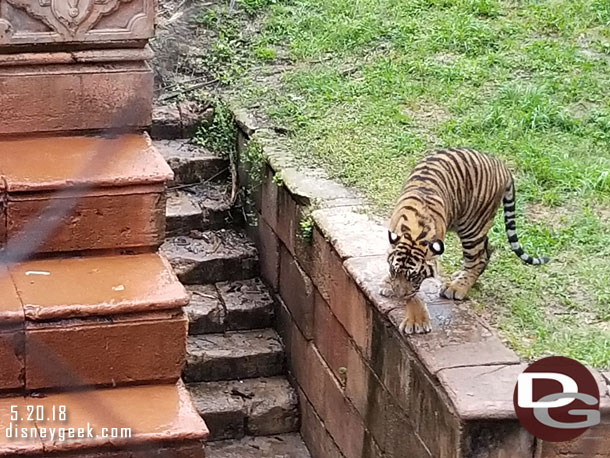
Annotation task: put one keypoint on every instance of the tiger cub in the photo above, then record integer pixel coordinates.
(454, 189)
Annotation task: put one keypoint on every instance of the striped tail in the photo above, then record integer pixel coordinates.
(511, 229)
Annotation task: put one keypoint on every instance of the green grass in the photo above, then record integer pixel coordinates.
(376, 83)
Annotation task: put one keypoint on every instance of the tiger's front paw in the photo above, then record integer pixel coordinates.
(417, 319)
(456, 290)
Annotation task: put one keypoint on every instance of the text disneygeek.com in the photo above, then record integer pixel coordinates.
(22, 426)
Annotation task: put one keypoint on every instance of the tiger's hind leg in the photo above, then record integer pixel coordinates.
(477, 253)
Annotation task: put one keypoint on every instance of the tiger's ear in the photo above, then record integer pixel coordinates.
(393, 237)
(437, 247)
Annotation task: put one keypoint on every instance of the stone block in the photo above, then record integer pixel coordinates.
(351, 232)
(434, 419)
(269, 253)
(497, 439)
(345, 299)
(234, 355)
(331, 339)
(25, 23)
(12, 359)
(136, 349)
(96, 286)
(157, 415)
(76, 97)
(297, 291)
(83, 193)
(318, 440)
(247, 303)
(205, 312)
(269, 195)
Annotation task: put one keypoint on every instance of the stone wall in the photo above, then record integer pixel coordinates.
(365, 390)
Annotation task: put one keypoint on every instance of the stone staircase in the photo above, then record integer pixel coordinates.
(235, 368)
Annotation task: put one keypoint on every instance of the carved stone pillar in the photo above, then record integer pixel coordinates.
(75, 65)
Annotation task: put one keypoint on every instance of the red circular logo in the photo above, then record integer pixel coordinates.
(557, 399)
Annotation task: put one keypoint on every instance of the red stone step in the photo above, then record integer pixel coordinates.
(103, 320)
(151, 421)
(82, 193)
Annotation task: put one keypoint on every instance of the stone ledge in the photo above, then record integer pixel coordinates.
(57, 163)
(156, 414)
(63, 310)
(64, 288)
(462, 364)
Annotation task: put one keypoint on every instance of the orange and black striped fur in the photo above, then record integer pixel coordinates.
(454, 189)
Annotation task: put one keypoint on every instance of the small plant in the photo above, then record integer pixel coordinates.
(265, 53)
(343, 375)
(306, 226)
(278, 179)
(253, 159)
(221, 135)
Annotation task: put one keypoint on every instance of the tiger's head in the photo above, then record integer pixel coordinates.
(411, 260)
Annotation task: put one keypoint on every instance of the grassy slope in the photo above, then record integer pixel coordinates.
(378, 82)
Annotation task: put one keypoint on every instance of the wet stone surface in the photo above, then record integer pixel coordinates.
(199, 207)
(178, 120)
(211, 256)
(283, 446)
(192, 163)
(234, 355)
(248, 303)
(260, 406)
(352, 232)
(205, 311)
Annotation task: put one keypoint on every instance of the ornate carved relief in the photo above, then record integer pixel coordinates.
(53, 21)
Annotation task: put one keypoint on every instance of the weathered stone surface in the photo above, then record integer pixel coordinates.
(182, 213)
(457, 339)
(24, 22)
(62, 190)
(136, 349)
(269, 244)
(318, 440)
(248, 304)
(178, 120)
(156, 414)
(113, 95)
(192, 163)
(96, 286)
(261, 406)
(216, 206)
(482, 392)
(234, 355)
(205, 312)
(351, 232)
(285, 445)
(368, 273)
(331, 339)
(199, 207)
(496, 439)
(326, 394)
(223, 410)
(313, 185)
(297, 290)
(211, 256)
(11, 310)
(594, 443)
(12, 359)
(346, 300)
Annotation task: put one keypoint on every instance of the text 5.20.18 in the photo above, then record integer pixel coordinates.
(39, 413)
